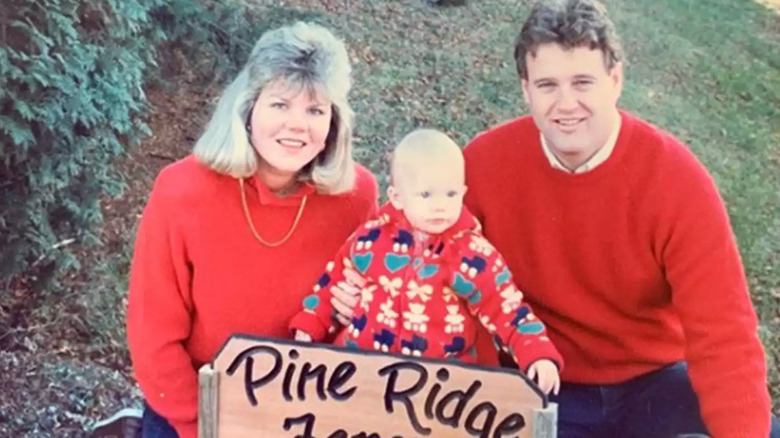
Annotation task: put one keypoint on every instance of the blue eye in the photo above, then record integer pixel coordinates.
(425, 195)
(279, 105)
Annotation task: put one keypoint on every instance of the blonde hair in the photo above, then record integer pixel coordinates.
(424, 146)
(304, 55)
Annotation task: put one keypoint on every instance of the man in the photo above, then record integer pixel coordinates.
(619, 239)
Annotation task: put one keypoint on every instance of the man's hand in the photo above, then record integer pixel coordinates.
(545, 372)
(346, 295)
(302, 336)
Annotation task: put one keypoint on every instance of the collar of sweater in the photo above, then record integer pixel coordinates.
(257, 189)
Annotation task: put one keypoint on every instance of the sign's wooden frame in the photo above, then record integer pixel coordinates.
(541, 414)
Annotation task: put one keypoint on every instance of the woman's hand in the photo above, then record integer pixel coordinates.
(346, 295)
(546, 374)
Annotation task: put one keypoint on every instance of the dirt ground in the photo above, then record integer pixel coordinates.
(55, 381)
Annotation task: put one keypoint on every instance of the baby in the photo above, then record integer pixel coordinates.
(430, 275)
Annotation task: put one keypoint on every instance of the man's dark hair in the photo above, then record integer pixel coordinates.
(570, 23)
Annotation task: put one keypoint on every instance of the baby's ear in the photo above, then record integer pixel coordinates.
(394, 197)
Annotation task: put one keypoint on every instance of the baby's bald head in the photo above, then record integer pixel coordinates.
(422, 150)
(428, 180)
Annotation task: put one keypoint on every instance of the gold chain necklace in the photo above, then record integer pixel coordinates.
(252, 225)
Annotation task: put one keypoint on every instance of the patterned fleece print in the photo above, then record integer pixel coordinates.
(425, 294)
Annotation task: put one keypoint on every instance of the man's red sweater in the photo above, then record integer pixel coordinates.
(632, 265)
(198, 274)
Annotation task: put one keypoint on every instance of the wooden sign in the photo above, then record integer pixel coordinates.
(273, 388)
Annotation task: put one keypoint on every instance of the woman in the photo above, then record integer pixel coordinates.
(234, 236)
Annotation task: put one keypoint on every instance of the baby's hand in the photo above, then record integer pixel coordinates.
(546, 374)
(302, 336)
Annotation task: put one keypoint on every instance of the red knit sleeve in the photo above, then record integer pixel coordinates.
(316, 319)
(484, 281)
(709, 292)
(158, 316)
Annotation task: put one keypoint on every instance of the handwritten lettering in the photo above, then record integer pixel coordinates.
(250, 385)
(449, 408)
(308, 373)
(308, 421)
(404, 396)
(428, 400)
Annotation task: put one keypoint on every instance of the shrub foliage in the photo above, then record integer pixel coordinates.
(71, 98)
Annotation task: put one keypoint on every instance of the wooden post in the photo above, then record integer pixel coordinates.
(208, 390)
(546, 422)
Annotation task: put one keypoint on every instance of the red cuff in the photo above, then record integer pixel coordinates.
(308, 323)
(186, 429)
(751, 417)
(528, 354)
(746, 428)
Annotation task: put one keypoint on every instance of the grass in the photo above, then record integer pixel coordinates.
(708, 71)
